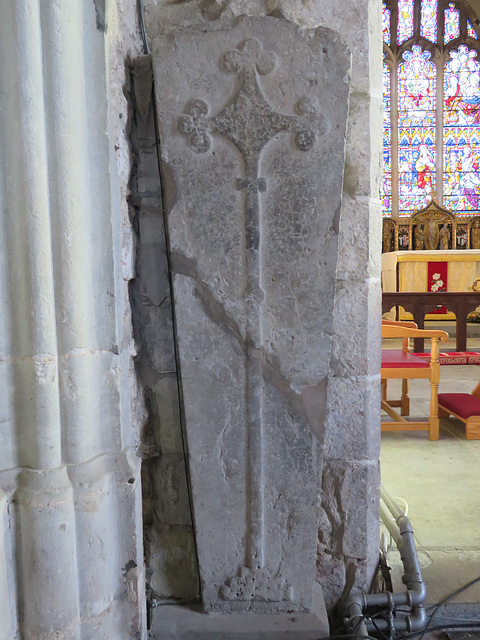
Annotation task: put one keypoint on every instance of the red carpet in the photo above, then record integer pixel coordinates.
(455, 357)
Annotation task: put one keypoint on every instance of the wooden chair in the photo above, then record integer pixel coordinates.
(401, 364)
(404, 402)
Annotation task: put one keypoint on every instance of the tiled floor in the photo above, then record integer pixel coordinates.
(440, 481)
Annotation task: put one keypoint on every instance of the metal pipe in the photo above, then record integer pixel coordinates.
(411, 622)
(412, 577)
(360, 607)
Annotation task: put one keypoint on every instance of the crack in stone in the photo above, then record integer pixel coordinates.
(215, 311)
(310, 403)
(100, 15)
(334, 511)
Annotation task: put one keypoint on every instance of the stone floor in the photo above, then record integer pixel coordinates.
(440, 481)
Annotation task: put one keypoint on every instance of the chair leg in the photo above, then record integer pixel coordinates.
(405, 408)
(383, 387)
(434, 430)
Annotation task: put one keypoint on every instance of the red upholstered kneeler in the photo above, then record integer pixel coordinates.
(465, 407)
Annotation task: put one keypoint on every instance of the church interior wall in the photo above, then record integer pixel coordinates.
(71, 547)
(348, 531)
(140, 417)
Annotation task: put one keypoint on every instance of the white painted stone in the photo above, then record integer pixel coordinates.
(70, 495)
(106, 492)
(352, 431)
(43, 291)
(8, 604)
(48, 600)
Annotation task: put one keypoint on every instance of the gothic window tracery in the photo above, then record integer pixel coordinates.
(431, 99)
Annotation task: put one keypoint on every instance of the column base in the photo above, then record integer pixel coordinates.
(182, 622)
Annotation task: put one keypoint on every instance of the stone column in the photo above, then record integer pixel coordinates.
(7, 584)
(252, 168)
(349, 531)
(67, 471)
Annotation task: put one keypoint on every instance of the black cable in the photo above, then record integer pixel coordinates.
(444, 601)
(443, 627)
(370, 617)
(357, 626)
(421, 633)
(348, 635)
(141, 8)
(378, 630)
(466, 624)
(141, 17)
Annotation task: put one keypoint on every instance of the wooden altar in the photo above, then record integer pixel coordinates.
(408, 270)
(431, 251)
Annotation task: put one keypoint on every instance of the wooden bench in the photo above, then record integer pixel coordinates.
(465, 407)
(401, 364)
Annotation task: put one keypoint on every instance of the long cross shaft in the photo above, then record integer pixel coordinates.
(250, 122)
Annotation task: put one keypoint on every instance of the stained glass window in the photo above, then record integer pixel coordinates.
(471, 31)
(386, 194)
(461, 142)
(452, 23)
(386, 24)
(416, 129)
(428, 20)
(405, 20)
(435, 129)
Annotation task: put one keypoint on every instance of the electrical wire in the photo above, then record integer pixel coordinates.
(141, 17)
(444, 627)
(378, 630)
(379, 614)
(467, 624)
(357, 626)
(445, 600)
(348, 635)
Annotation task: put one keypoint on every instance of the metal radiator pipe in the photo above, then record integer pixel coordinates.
(360, 607)
(412, 577)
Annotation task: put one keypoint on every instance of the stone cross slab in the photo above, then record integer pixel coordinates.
(250, 122)
(253, 280)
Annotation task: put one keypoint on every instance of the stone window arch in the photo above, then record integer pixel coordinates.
(431, 97)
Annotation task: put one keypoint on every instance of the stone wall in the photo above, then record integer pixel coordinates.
(74, 411)
(169, 542)
(71, 543)
(348, 526)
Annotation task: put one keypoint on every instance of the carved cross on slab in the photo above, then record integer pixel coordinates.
(250, 122)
